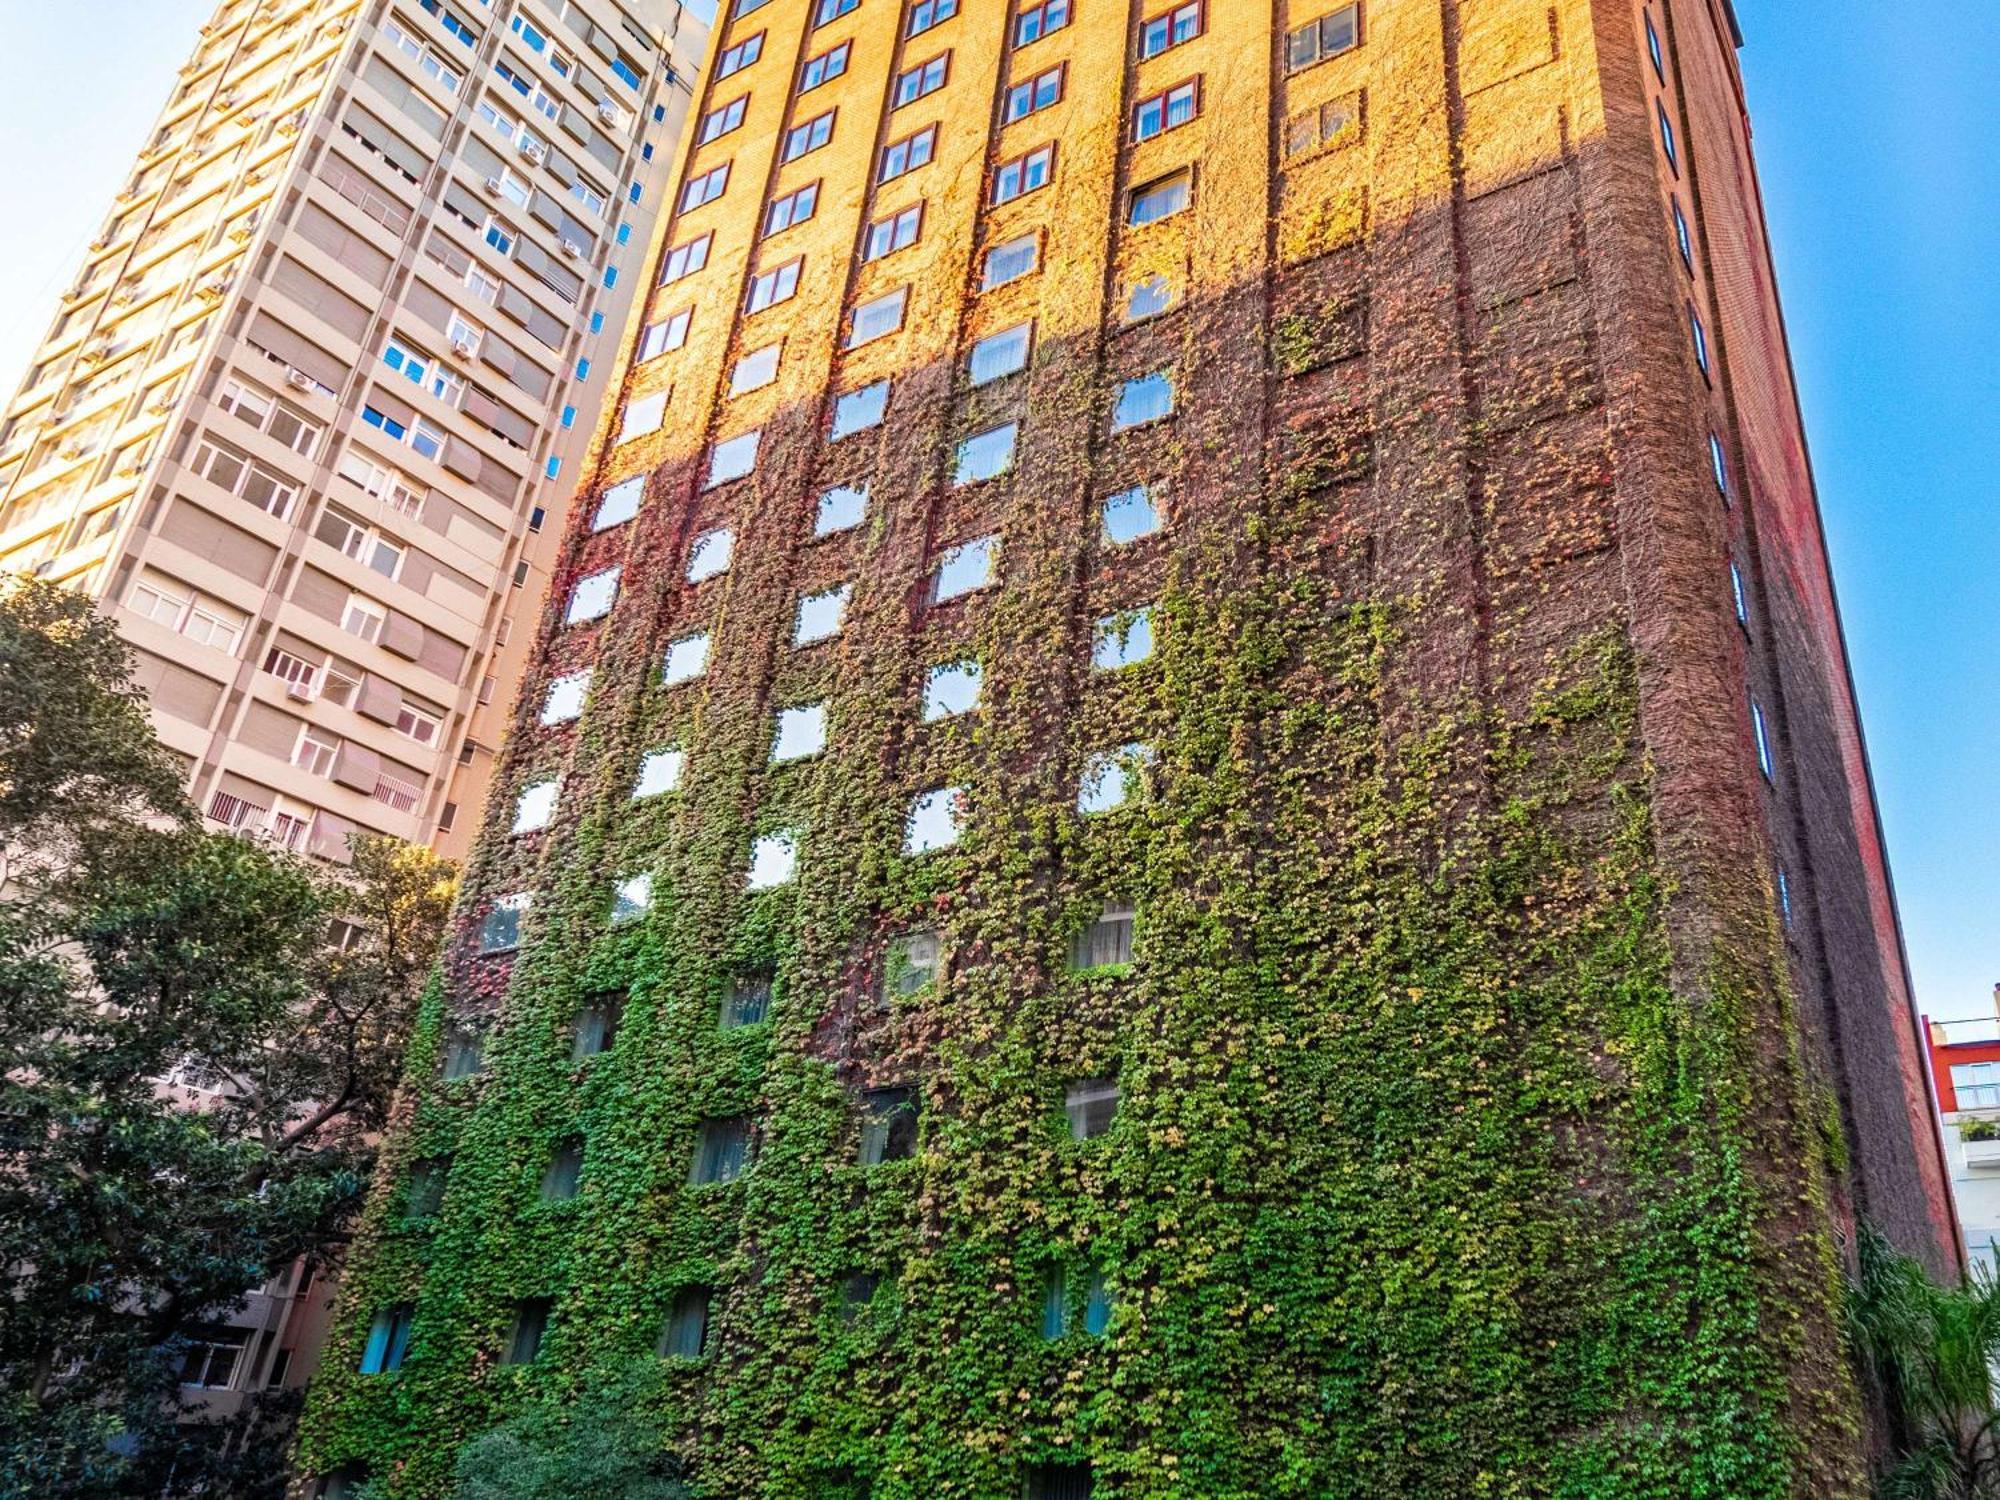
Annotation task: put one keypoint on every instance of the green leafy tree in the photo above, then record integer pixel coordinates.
(1932, 1350)
(198, 1041)
(608, 1446)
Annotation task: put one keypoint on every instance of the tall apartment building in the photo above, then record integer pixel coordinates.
(309, 419)
(1190, 819)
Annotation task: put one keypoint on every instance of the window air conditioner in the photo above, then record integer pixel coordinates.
(492, 187)
(298, 380)
(607, 111)
(299, 692)
(572, 249)
(465, 348)
(534, 152)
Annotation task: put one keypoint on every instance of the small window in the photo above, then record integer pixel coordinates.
(810, 136)
(709, 556)
(828, 66)
(733, 458)
(928, 13)
(801, 733)
(565, 1171)
(794, 207)
(1334, 123)
(774, 861)
(746, 1001)
(908, 154)
(840, 509)
(501, 930)
(1683, 237)
(565, 698)
(740, 56)
(595, 1029)
(531, 1326)
(659, 772)
(858, 410)
(877, 318)
(620, 503)
(934, 821)
(685, 260)
(1112, 778)
(832, 10)
(686, 1335)
(720, 121)
(769, 288)
(665, 336)
(965, 568)
(1107, 942)
(464, 1053)
(1719, 466)
(423, 1188)
(721, 1150)
(755, 370)
(1055, 1304)
(1091, 1106)
(687, 659)
(631, 898)
(1097, 1305)
(951, 689)
(388, 1339)
(1762, 733)
(1332, 34)
(985, 455)
(1148, 297)
(1059, 1482)
(705, 187)
(1130, 514)
(1032, 95)
(1010, 261)
(1698, 335)
(888, 1126)
(592, 597)
(1001, 353)
(857, 1292)
(1739, 595)
(915, 83)
(1143, 399)
(1024, 174)
(1169, 29)
(1654, 50)
(896, 232)
(643, 415)
(1667, 143)
(1122, 640)
(1158, 113)
(535, 806)
(819, 615)
(1162, 197)
(1037, 21)
(911, 963)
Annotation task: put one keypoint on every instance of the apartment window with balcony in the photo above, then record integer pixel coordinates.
(906, 155)
(238, 474)
(771, 287)
(794, 207)
(1166, 111)
(267, 414)
(1010, 261)
(1024, 174)
(896, 232)
(424, 372)
(1032, 95)
(1332, 34)
(1170, 28)
(739, 56)
(828, 66)
(1036, 21)
(685, 259)
(810, 136)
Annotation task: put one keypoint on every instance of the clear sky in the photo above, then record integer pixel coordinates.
(1876, 145)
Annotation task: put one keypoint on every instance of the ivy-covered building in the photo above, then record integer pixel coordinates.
(1190, 820)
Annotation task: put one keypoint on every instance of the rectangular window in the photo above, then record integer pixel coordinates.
(1698, 335)
(755, 370)
(665, 336)
(565, 698)
(1001, 353)
(810, 136)
(1148, 297)
(794, 208)
(643, 415)
(687, 659)
(1169, 29)
(631, 898)
(1059, 1482)
(686, 1336)
(878, 317)
(911, 963)
(733, 458)
(659, 773)
(740, 56)
(985, 455)
(1037, 21)
(896, 232)
(685, 260)
(499, 933)
(1112, 778)
(771, 287)
(1738, 595)
(1667, 138)
(1334, 123)
(928, 13)
(858, 410)
(1654, 51)
(465, 1048)
(840, 509)
(1683, 239)
(423, 1188)
(531, 1325)
(908, 154)
(1719, 465)
(746, 1001)
(1143, 399)
(964, 569)
(710, 555)
(721, 1150)
(888, 1126)
(819, 615)
(1166, 111)
(1010, 261)
(1037, 93)
(801, 733)
(1332, 34)
(925, 78)
(388, 1339)
(720, 121)
(1092, 1107)
(705, 187)
(1977, 1085)
(564, 1174)
(1122, 640)
(831, 10)
(535, 807)
(620, 503)
(592, 597)
(1107, 941)
(1130, 514)
(1761, 732)
(935, 821)
(1163, 196)
(828, 66)
(952, 689)
(1024, 174)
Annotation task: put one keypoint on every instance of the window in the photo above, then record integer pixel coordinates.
(985, 455)
(1332, 34)
(1001, 353)
(1097, 1306)
(1010, 261)
(819, 615)
(906, 155)
(1106, 942)
(1024, 174)
(686, 1336)
(1166, 111)
(423, 1188)
(774, 861)
(801, 733)
(1334, 123)
(1143, 399)
(388, 1339)
(830, 10)
(631, 898)
(501, 931)
(564, 1174)
(755, 370)
(363, 617)
(1719, 465)
(925, 78)
(735, 59)
(1683, 238)
(596, 1026)
(685, 260)
(888, 1126)
(1037, 93)
(1760, 731)
(705, 187)
(1091, 1107)
(794, 207)
(347, 535)
(1739, 595)
(1163, 196)
(1667, 138)
(934, 821)
(1977, 1085)
(810, 136)
(840, 509)
(828, 66)
(643, 415)
(965, 568)
(687, 659)
(1130, 514)
(316, 751)
(659, 772)
(531, 1325)
(911, 964)
(620, 503)
(709, 556)
(1055, 1305)
(733, 458)
(928, 13)
(535, 806)
(897, 232)
(952, 689)
(1122, 640)
(1037, 21)
(1170, 28)
(877, 318)
(771, 287)
(1698, 336)
(722, 120)
(746, 1001)
(858, 410)
(592, 597)
(565, 699)
(721, 1150)
(1653, 50)
(1112, 778)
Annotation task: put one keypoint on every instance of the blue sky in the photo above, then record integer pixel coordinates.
(1875, 139)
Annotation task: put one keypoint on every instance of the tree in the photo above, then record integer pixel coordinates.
(199, 1035)
(607, 1447)
(1932, 1351)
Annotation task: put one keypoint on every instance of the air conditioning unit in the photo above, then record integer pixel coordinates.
(465, 348)
(572, 249)
(298, 380)
(229, 98)
(534, 151)
(242, 232)
(492, 187)
(97, 353)
(69, 453)
(215, 288)
(102, 242)
(607, 111)
(300, 692)
(160, 408)
(125, 297)
(293, 123)
(130, 471)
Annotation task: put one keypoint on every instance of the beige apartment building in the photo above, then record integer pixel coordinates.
(309, 418)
